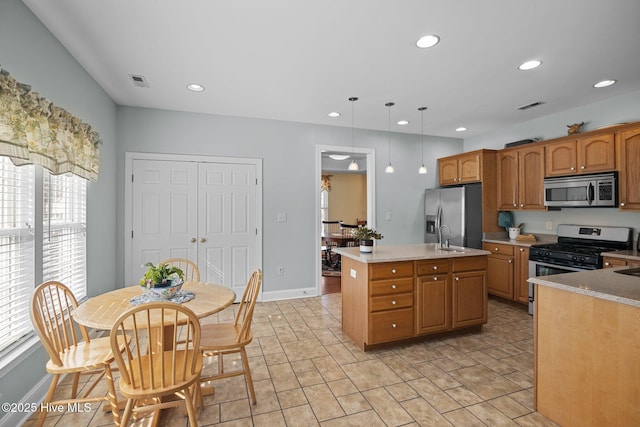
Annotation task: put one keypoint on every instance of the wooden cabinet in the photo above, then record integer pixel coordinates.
(589, 154)
(500, 269)
(521, 178)
(521, 274)
(469, 296)
(628, 142)
(610, 262)
(460, 169)
(393, 301)
(433, 297)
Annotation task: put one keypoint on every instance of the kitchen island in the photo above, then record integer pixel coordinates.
(402, 292)
(587, 348)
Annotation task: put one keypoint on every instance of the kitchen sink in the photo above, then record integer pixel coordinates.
(630, 272)
(450, 249)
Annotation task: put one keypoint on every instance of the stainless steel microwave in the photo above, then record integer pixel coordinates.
(581, 191)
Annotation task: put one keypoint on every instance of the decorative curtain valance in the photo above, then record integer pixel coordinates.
(34, 131)
(325, 184)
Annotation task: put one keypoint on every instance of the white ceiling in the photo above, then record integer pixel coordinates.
(297, 60)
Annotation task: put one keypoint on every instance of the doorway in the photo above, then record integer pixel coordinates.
(366, 161)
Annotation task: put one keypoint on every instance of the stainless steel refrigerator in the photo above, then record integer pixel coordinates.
(460, 209)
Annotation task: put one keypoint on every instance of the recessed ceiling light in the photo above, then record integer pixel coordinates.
(339, 156)
(530, 65)
(427, 41)
(461, 129)
(604, 83)
(194, 87)
(403, 122)
(333, 114)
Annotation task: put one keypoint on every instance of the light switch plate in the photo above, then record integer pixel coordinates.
(282, 217)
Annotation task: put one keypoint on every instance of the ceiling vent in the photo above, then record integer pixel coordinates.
(138, 80)
(533, 104)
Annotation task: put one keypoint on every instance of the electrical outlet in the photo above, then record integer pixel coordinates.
(280, 271)
(549, 225)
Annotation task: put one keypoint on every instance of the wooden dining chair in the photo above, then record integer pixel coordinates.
(188, 267)
(148, 372)
(219, 339)
(329, 228)
(70, 349)
(347, 230)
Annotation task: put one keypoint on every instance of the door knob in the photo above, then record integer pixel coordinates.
(193, 240)
(202, 240)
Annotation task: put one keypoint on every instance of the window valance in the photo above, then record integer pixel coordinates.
(34, 131)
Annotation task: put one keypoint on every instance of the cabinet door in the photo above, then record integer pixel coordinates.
(469, 298)
(629, 164)
(448, 170)
(610, 262)
(469, 168)
(596, 154)
(561, 158)
(507, 180)
(433, 303)
(500, 276)
(521, 286)
(531, 178)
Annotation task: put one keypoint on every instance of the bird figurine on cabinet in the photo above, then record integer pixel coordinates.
(574, 128)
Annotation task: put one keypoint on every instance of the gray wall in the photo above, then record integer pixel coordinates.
(289, 177)
(33, 56)
(621, 109)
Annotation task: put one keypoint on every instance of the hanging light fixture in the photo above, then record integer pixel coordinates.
(353, 166)
(389, 168)
(422, 170)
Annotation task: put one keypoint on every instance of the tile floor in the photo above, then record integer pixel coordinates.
(306, 373)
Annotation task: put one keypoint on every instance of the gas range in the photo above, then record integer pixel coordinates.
(580, 246)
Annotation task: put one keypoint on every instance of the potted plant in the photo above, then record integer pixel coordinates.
(366, 236)
(163, 280)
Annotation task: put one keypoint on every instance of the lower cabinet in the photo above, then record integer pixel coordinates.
(433, 297)
(610, 262)
(469, 291)
(508, 271)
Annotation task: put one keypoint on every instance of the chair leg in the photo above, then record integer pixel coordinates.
(48, 398)
(74, 387)
(191, 411)
(247, 373)
(128, 409)
(113, 398)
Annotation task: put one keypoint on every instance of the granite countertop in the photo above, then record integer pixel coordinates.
(632, 254)
(503, 237)
(605, 284)
(408, 253)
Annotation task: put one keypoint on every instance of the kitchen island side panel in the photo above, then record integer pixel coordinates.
(355, 300)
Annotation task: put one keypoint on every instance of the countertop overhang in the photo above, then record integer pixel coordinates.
(604, 284)
(412, 252)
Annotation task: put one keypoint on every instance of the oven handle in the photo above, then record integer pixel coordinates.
(532, 267)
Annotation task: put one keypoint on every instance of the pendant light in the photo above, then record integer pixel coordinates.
(422, 170)
(389, 168)
(353, 166)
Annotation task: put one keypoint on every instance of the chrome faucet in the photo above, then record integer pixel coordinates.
(446, 244)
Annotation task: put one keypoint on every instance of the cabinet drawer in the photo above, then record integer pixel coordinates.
(388, 270)
(432, 267)
(498, 248)
(469, 263)
(392, 286)
(391, 325)
(391, 302)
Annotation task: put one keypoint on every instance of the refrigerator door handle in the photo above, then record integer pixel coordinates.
(438, 222)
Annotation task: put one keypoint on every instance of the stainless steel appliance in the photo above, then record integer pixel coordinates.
(578, 249)
(581, 191)
(457, 208)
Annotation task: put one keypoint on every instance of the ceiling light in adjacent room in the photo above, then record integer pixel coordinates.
(604, 83)
(194, 87)
(353, 166)
(339, 156)
(333, 114)
(530, 65)
(427, 41)
(461, 129)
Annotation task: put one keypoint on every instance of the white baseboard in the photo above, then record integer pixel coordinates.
(289, 294)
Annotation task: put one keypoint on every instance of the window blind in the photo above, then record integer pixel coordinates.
(17, 212)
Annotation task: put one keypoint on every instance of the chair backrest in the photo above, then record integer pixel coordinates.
(330, 227)
(348, 229)
(188, 267)
(51, 308)
(151, 366)
(247, 305)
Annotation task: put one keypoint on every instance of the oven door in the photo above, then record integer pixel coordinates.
(539, 268)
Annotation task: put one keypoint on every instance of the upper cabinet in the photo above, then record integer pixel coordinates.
(588, 154)
(460, 169)
(628, 141)
(521, 178)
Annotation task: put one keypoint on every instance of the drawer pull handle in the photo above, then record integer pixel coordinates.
(582, 167)
(496, 249)
(607, 263)
(393, 286)
(393, 325)
(393, 303)
(510, 261)
(435, 277)
(435, 267)
(393, 271)
(521, 249)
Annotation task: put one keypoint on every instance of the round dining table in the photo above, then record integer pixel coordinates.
(101, 311)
